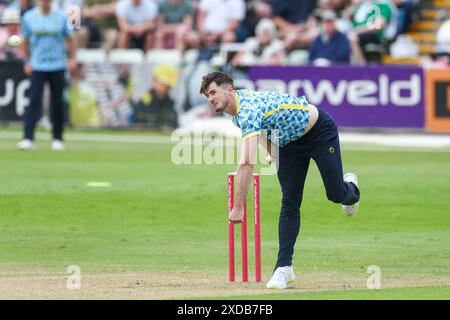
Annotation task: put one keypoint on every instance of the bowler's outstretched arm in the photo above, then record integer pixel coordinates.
(244, 175)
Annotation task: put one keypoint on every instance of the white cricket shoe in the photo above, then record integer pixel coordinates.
(26, 144)
(57, 145)
(350, 210)
(281, 278)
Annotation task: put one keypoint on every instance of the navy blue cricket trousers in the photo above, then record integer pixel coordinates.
(320, 143)
(34, 111)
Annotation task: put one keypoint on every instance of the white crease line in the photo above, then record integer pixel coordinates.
(349, 141)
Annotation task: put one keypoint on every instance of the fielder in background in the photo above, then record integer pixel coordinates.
(45, 31)
(301, 132)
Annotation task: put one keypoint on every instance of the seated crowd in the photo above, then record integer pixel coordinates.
(330, 31)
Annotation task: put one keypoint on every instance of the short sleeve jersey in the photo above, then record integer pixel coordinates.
(176, 13)
(46, 34)
(282, 117)
(137, 15)
(366, 13)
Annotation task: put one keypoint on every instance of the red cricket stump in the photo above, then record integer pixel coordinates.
(257, 208)
(230, 228)
(244, 246)
(244, 239)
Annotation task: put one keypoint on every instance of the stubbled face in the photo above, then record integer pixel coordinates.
(219, 97)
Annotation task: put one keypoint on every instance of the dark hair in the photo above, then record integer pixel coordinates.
(219, 78)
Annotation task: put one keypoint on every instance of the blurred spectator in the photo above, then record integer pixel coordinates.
(219, 20)
(255, 11)
(192, 40)
(10, 25)
(22, 6)
(83, 100)
(404, 14)
(334, 5)
(44, 32)
(156, 107)
(101, 14)
(443, 38)
(295, 21)
(137, 22)
(331, 46)
(264, 49)
(292, 13)
(404, 48)
(374, 22)
(175, 20)
(63, 5)
(112, 86)
(88, 33)
(441, 58)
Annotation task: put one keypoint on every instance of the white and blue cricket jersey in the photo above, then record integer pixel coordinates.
(269, 111)
(46, 34)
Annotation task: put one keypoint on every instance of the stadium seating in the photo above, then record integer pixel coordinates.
(424, 32)
(163, 56)
(91, 56)
(126, 56)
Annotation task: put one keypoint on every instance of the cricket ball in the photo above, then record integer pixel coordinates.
(14, 40)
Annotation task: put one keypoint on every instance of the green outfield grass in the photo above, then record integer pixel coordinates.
(158, 218)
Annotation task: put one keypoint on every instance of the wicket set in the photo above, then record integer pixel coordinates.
(257, 219)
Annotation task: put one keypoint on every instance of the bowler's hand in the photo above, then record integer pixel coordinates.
(269, 159)
(236, 215)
